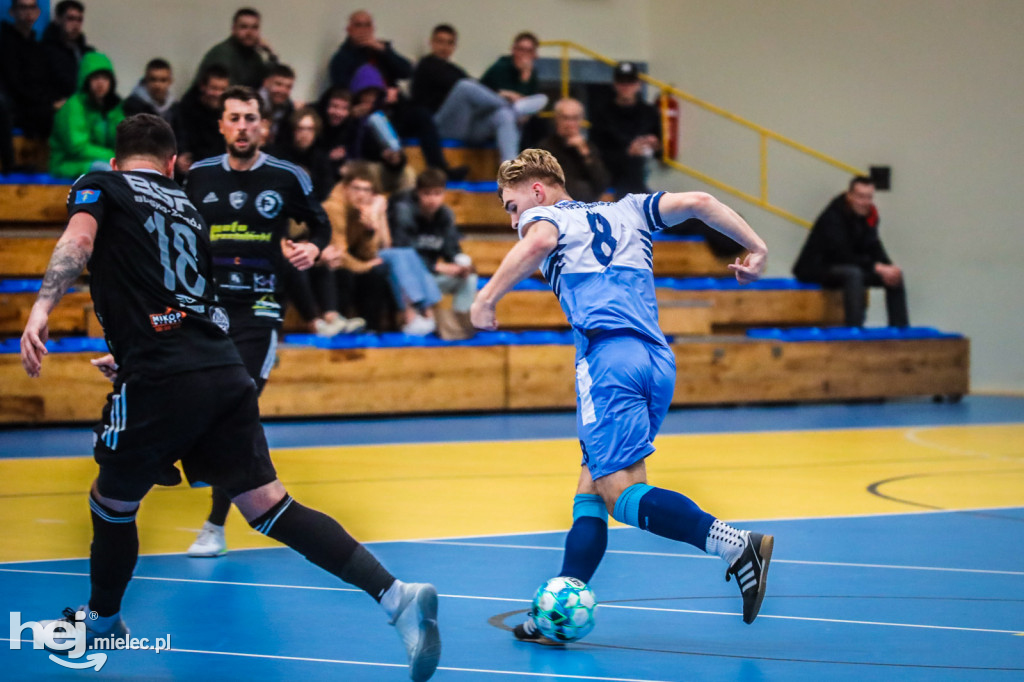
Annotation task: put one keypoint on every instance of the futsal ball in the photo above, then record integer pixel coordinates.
(563, 609)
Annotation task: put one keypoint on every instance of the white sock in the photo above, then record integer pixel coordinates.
(392, 599)
(529, 626)
(725, 541)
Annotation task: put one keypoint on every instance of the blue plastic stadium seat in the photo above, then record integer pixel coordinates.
(399, 340)
(476, 186)
(797, 334)
(33, 179)
(24, 286)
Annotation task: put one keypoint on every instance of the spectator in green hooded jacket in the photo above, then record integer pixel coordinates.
(84, 128)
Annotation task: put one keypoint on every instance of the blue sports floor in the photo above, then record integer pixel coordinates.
(899, 543)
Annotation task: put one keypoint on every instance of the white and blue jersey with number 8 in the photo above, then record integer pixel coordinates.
(602, 269)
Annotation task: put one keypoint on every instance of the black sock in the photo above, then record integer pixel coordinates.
(219, 507)
(325, 543)
(112, 557)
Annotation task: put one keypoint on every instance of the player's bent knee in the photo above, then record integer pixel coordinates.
(627, 506)
(256, 502)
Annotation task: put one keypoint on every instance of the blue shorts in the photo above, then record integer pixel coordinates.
(624, 386)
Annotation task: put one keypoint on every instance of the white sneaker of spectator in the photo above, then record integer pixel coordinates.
(338, 325)
(420, 326)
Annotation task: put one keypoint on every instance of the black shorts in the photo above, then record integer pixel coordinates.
(258, 347)
(209, 419)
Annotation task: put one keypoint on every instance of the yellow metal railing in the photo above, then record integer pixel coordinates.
(764, 134)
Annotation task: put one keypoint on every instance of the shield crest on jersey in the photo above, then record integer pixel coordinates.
(237, 199)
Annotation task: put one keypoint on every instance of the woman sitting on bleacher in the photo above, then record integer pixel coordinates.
(83, 130)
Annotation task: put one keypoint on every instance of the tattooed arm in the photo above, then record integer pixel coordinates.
(68, 261)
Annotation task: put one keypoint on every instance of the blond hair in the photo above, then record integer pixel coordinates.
(530, 165)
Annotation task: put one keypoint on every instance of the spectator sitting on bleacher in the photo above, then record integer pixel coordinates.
(84, 129)
(301, 149)
(514, 77)
(335, 106)
(627, 130)
(65, 46)
(420, 219)
(360, 231)
(199, 136)
(373, 135)
(362, 47)
(843, 250)
(277, 97)
(463, 108)
(586, 178)
(152, 94)
(244, 54)
(24, 77)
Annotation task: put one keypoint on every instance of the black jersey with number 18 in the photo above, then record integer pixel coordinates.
(150, 274)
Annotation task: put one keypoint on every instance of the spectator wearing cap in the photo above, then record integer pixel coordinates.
(627, 131)
(586, 178)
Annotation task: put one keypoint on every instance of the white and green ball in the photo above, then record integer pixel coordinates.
(563, 609)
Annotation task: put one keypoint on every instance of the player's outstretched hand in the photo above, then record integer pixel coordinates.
(33, 342)
(106, 366)
(750, 269)
(482, 316)
(300, 254)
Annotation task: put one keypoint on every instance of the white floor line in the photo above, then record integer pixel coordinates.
(842, 564)
(527, 601)
(915, 437)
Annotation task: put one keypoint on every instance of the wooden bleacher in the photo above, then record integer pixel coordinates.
(312, 381)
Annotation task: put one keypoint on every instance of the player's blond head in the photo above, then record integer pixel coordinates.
(532, 165)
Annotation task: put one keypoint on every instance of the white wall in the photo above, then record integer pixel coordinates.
(305, 33)
(931, 87)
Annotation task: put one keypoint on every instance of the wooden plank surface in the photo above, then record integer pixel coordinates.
(315, 382)
(33, 203)
(482, 163)
(71, 316)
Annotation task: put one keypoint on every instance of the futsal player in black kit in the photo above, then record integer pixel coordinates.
(247, 197)
(181, 391)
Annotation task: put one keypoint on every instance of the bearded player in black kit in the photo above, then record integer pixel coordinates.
(247, 197)
(181, 391)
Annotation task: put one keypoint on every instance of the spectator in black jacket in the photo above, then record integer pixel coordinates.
(844, 251)
(586, 178)
(277, 97)
(334, 106)
(463, 108)
(152, 94)
(65, 44)
(245, 54)
(200, 136)
(305, 126)
(24, 76)
(627, 130)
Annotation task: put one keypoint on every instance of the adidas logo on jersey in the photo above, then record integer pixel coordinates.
(210, 198)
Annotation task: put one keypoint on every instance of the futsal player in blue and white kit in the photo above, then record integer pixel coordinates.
(597, 257)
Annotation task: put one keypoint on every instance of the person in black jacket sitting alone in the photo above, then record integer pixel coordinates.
(844, 251)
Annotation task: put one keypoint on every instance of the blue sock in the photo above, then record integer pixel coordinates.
(587, 539)
(665, 513)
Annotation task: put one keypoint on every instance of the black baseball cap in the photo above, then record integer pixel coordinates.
(626, 72)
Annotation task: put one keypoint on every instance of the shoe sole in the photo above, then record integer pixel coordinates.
(206, 556)
(424, 661)
(765, 552)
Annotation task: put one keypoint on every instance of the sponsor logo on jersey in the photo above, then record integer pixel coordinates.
(167, 320)
(87, 196)
(263, 283)
(266, 307)
(237, 199)
(219, 317)
(210, 198)
(237, 232)
(269, 204)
